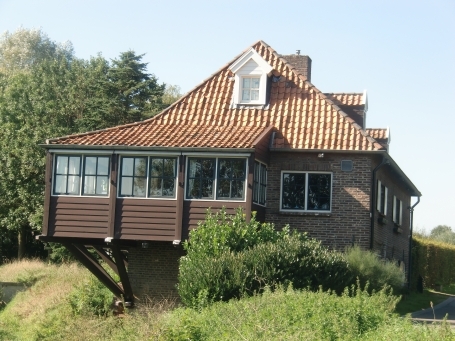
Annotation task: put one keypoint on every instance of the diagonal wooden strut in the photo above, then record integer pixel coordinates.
(119, 261)
(81, 253)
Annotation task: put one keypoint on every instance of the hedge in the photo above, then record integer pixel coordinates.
(434, 261)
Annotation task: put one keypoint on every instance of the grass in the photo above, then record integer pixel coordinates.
(43, 312)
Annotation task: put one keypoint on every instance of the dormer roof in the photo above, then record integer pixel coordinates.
(302, 117)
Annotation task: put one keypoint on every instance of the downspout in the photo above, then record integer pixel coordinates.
(411, 209)
(373, 195)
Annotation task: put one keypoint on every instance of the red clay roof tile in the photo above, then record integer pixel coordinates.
(305, 117)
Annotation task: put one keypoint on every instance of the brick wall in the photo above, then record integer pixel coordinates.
(153, 271)
(388, 243)
(350, 216)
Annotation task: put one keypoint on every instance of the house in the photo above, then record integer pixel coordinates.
(256, 134)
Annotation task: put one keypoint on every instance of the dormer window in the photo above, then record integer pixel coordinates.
(251, 72)
(250, 89)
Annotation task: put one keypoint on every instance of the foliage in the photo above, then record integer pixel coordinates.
(228, 257)
(59, 254)
(443, 233)
(379, 273)
(171, 94)
(91, 297)
(433, 260)
(43, 313)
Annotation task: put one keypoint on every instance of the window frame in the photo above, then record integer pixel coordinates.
(82, 155)
(148, 177)
(305, 210)
(381, 198)
(96, 175)
(67, 174)
(215, 178)
(260, 184)
(250, 88)
(397, 214)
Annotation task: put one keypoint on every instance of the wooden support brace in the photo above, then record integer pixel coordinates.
(105, 257)
(119, 261)
(81, 253)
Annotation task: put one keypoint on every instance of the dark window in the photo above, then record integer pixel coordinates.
(133, 177)
(259, 183)
(231, 179)
(397, 210)
(162, 177)
(96, 175)
(382, 198)
(201, 174)
(306, 191)
(67, 175)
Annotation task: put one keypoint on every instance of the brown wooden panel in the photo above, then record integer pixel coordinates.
(79, 235)
(85, 229)
(69, 217)
(147, 220)
(152, 215)
(146, 202)
(141, 232)
(130, 208)
(128, 226)
(126, 236)
(91, 213)
(261, 151)
(77, 223)
(78, 206)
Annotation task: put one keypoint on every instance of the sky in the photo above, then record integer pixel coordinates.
(402, 52)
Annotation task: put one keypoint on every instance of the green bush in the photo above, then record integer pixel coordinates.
(91, 298)
(367, 266)
(228, 257)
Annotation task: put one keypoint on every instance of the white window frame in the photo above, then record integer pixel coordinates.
(215, 180)
(397, 213)
(379, 202)
(257, 185)
(305, 210)
(262, 72)
(82, 156)
(148, 156)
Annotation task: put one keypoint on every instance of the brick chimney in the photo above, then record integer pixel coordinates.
(301, 63)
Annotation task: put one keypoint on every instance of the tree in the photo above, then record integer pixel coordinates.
(138, 92)
(443, 233)
(171, 94)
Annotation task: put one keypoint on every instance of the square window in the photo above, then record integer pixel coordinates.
(250, 88)
(306, 191)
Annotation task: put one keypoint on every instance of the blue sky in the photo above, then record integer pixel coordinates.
(401, 52)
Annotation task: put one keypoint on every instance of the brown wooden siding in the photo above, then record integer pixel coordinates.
(146, 219)
(195, 211)
(81, 217)
(261, 150)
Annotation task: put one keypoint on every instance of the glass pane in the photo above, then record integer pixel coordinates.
(194, 168)
(139, 187)
(127, 166)
(103, 166)
(237, 189)
(254, 95)
(223, 169)
(246, 83)
(293, 195)
(245, 95)
(224, 188)
(140, 167)
(102, 185)
(156, 167)
(238, 169)
(73, 184)
(126, 188)
(60, 184)
(169, 167)
(155, 187)
(194, 187)
(255, 83)
(62, 165)
(168, 187)
(319, 191)
(89, 185)
(207, 188)
(208, 168)
(74, 165)
(90, 165)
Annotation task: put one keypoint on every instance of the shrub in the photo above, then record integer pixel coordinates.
(91, 297)
(229, 257)
(367, 266)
